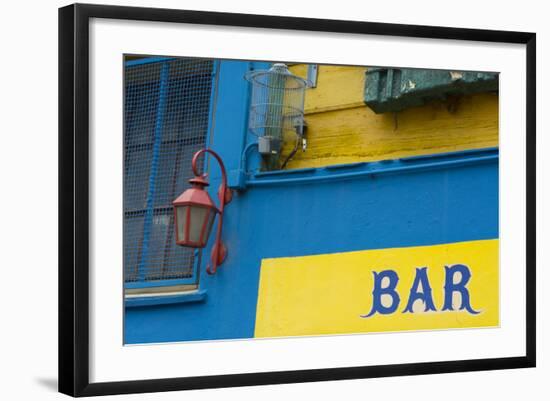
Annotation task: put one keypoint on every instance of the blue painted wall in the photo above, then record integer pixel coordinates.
(452, 198)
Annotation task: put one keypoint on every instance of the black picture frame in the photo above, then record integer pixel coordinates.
(74, 194)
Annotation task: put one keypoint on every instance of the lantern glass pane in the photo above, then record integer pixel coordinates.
(199, 216)
(211, 217)
(181, 222)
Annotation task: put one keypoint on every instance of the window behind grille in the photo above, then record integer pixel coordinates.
(166, 119)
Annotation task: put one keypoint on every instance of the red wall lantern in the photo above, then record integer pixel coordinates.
(194, 213)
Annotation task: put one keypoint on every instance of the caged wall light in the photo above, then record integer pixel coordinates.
(276, 111)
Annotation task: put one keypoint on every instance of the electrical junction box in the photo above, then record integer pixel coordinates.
(269, 146)
(396, 89)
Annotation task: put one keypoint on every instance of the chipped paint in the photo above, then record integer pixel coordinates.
(456, 75)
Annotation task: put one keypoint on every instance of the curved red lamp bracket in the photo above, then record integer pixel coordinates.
(219, 251)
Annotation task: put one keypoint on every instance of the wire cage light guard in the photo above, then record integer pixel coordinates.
(276, 110)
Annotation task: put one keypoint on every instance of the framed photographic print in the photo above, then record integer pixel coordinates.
(275, 199)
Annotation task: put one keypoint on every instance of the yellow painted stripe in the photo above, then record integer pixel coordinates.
(328, 294)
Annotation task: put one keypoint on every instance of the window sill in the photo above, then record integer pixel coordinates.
(132, 301)
(365, 169)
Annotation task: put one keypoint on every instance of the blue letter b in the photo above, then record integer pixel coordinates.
(378, 291)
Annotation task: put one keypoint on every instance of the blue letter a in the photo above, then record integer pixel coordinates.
(426, 294)
(451, 287)
(378, 291)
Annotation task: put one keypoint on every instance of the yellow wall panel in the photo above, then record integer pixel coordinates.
(337, 87)
(331, 293)
(358, 134)
(342, 129)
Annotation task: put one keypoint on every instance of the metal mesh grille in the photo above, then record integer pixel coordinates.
(167, 109)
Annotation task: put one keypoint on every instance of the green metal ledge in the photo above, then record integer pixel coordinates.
(396, 89)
